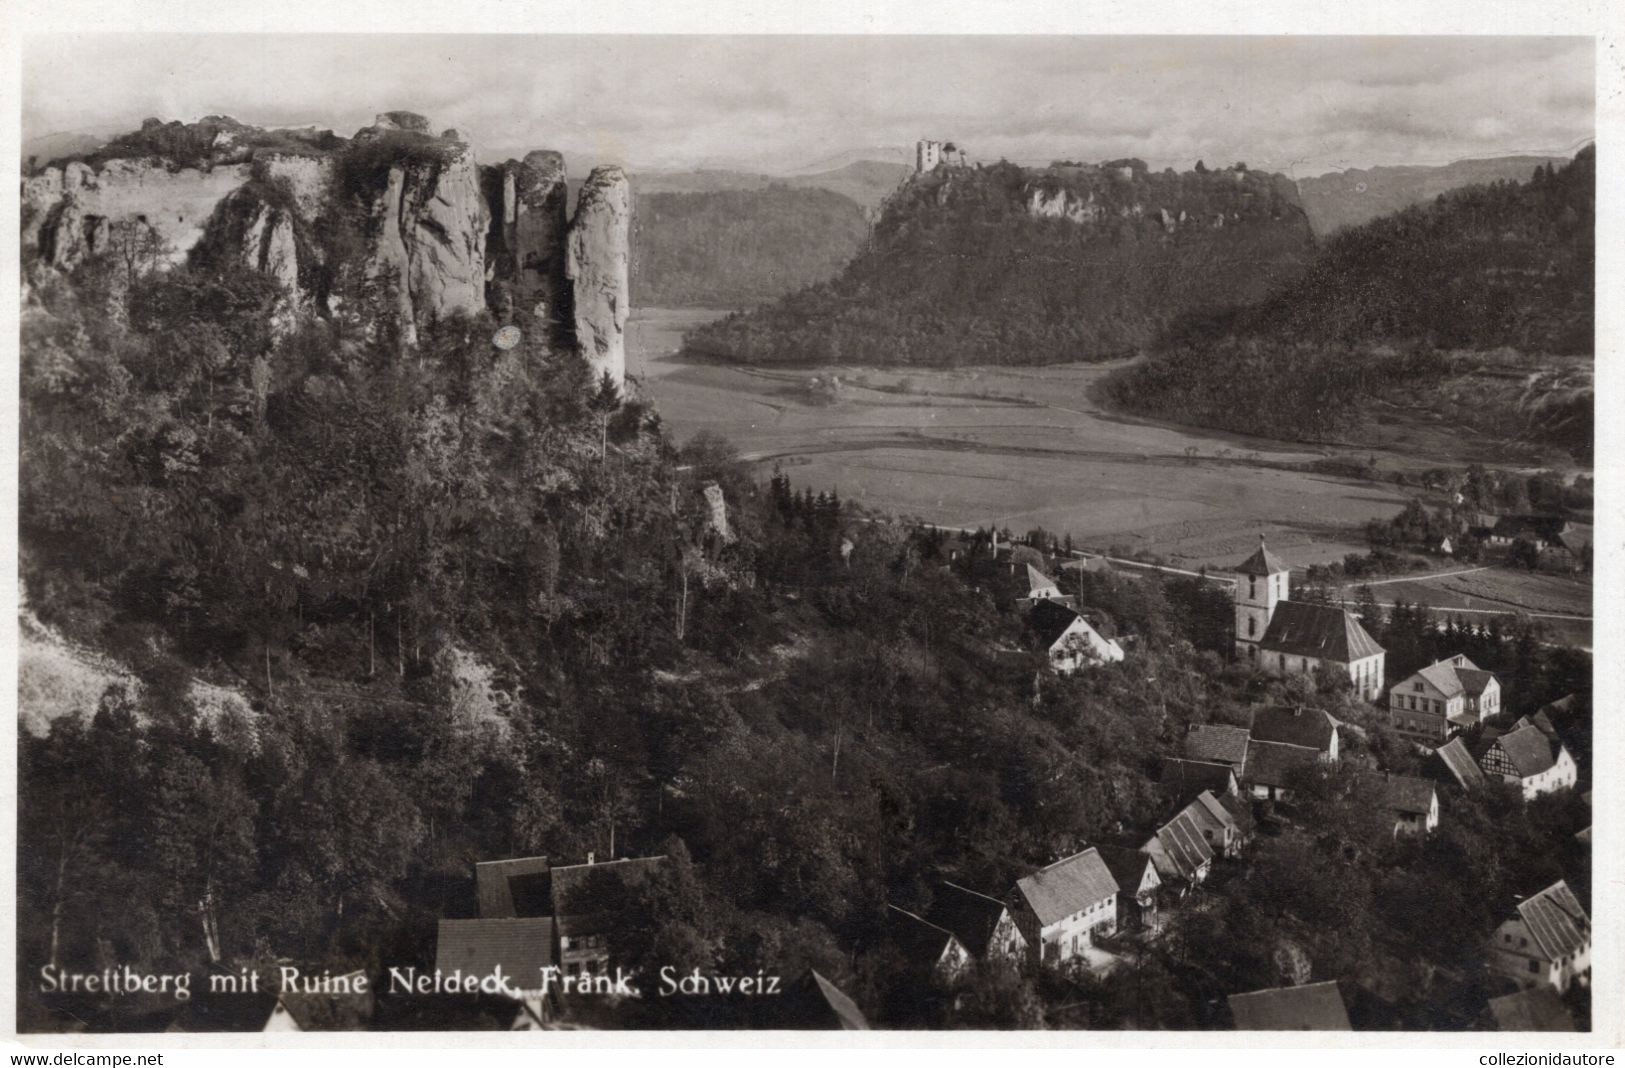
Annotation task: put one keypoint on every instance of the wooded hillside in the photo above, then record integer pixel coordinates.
(1003, 265)
(1402, 303)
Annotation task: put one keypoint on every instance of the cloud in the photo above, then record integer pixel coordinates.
(772, 102)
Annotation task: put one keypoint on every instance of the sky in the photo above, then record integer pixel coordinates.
(1301, 105)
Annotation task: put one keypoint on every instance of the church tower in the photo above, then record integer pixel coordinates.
(1261, 584)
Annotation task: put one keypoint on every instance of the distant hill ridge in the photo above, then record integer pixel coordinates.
(1348, 198)
(865, 182)
(1004, 264)
(736, 248)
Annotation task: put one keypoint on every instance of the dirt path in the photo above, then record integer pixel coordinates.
(1418, 578)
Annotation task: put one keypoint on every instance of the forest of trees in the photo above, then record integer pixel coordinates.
(474, 611)
(1396, 305)
(739, 248)
(959, 271)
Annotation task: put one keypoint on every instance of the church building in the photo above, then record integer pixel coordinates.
(1286, 636)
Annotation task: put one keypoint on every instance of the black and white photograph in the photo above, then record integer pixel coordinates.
(899, 532)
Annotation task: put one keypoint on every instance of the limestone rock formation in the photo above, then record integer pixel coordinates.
(264, 235)
(598, 267)
(176, 204)
(525, 251)
(431, 223)
(455, 238)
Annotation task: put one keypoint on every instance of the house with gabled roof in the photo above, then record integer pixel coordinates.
(1068, 639)
(1311, 1007)
(1447, 696)
(1271, 766)
(1457, 763)
(932, 951)
(1138, 886)
(1307, 728)
(1060, 909)
(1218, 743)
(590, 902)
(1546, 942)
(982, 923)
(585, 903)
(1218, 823)
(1527, 757)
(1184, 779)
(1182, 855)
(1536, 1009)
(1277, 634)
(1413, 802)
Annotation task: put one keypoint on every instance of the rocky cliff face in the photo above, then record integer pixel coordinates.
(429, 223)
(599, 270)
(525, 249)
(455, 237)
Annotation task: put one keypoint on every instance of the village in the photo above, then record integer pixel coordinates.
(548, 947)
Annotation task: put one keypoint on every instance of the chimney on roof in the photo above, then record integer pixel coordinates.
(591, 857)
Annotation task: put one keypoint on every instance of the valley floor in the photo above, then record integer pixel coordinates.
(1028, 447)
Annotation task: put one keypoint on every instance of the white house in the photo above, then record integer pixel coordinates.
(1448, 695)
(1526, 756)
(1061, 908)
(1069, 640)
(1547, 942)
(1295, 637)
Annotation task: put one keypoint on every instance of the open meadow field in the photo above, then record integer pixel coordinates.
(1021, 448)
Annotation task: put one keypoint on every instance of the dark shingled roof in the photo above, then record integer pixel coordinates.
(1536, 1009)
(1313, 1007)
(513, 888)
(520, 946)
(591, 888)
(923, 943)
(1544, 527)
(1299, 628)
(1187, 778)
(1067, 886)
(1556, 921)
(1262, 563)
(1459, 763)
(1404, 793)
(1474, 680)
(1050, 620)
(1217, 743)
(1269, 762)
(969, 915)
(1530, 751)
(814, 1003)
(1311, 728)
(1127, 866)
